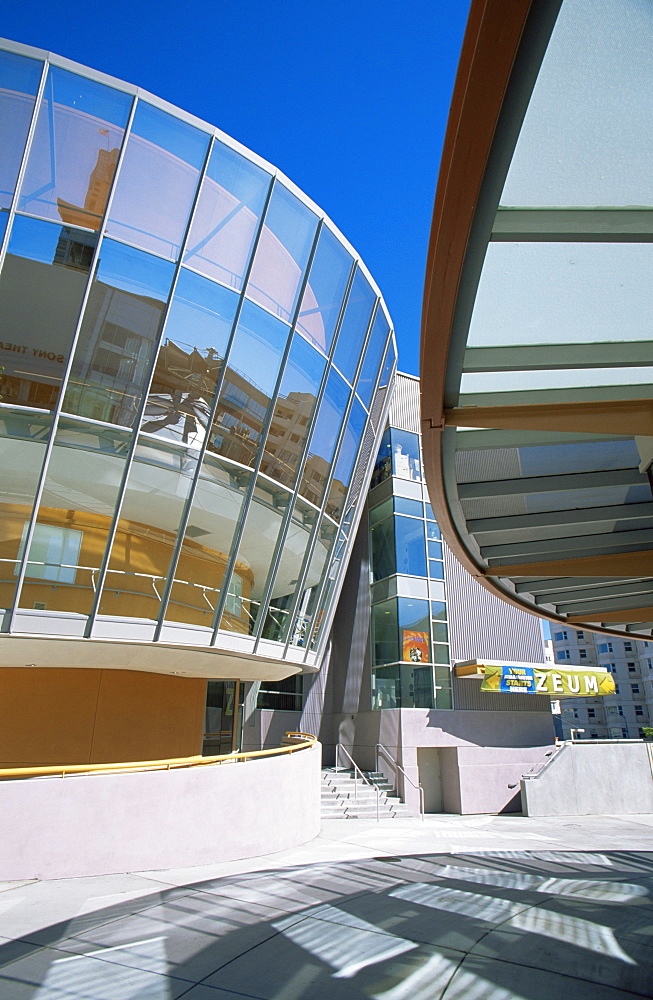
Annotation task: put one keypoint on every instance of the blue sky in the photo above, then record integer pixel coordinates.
(348, 97)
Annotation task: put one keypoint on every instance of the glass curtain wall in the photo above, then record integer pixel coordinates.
(410, 649)
(189, 353)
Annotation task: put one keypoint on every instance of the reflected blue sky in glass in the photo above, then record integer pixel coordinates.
(182, 140)
(332, 408)
(134, 270)
(322, 299)
(4, 219)
(373, 356)
(19, 73)
(354, 325)
(87, 97)
(350, 443)
(19, 81)
(258, 346)
(34, 239)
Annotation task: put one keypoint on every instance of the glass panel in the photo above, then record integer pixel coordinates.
(409, 540)
(215, 512)
(406, 462)
(415, 628)
(41, 290)
(405, 506)
(440, 653)
(74, 517)
(19, 81)
(383, 549)
(383, 467)
(190, 360)
(354, 325)
(157, 488)
(75, 150)
(385, 633)
(435, 549)
(373, 356)
(4, 219)
(119, 333)
(584, 137)
(23, 438)
(252, 370)
(530, 293)
(292, 558)
(226, 219)
(293, 412)
(436, 569)
(443, 697)
(220, 714)
(440, 631)
(317, 567)
(432, 531)
(351, 442)
(439, 610)
(382, 510)
(255, 553)
(388, 365)
(282, 253)
(324, 291)
(324, 437)
(157, 182)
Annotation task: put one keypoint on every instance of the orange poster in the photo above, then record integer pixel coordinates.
(415, 647)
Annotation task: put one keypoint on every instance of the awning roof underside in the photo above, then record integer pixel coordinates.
(547, 425)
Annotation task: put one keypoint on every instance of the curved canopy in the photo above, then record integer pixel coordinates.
(537, 339)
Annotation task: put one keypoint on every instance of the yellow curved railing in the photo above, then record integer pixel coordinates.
(304, 740)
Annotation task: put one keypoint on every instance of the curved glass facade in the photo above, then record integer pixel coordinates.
(194, 371)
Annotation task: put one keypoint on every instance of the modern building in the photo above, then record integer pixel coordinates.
(622, 715)
(536, 348)
(195, 373)
(407, 614)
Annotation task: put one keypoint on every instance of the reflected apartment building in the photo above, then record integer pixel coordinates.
(195, 377)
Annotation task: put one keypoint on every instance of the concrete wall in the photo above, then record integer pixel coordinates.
(593, 779)
(105, 824)
(480, 754)
(86, 716)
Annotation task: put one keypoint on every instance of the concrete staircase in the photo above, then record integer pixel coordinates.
(339, 799)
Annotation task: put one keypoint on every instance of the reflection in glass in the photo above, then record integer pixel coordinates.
(411, 556)
(301, 633)
(282, 253)
(373, 355)
(214, 515)
(157, 488)
(288, 572)
(383, 466)
(74, 517)
(388, 365)
(324, 291)
(443, 696)
(190, 360)
(226, 218)
(403, 505)
(382, 538)
(157, 183)
(19, 81)
(406, 463)
(293, 412)
(385, 633)
(354, 326)
(255, 552)
(75, 150)
(23, 438)
(248, 386)
(324, 438)
(41, 290)
(345, 463)
(401, 639)
(118, 335)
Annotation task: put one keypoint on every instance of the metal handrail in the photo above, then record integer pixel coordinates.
(398, 767)
(61, 770)
(357, 770)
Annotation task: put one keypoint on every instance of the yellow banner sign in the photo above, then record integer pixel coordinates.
(534, 680)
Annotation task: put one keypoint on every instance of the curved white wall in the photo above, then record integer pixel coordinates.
(105, 824)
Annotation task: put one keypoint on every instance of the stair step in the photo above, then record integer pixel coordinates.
(346, 796)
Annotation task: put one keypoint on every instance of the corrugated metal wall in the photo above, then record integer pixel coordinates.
(404, 408)
(481, 624)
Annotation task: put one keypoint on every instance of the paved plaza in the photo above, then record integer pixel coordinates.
(480, 908)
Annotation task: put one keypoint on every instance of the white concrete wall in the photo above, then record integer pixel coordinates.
(593, 779)
(105, 824)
